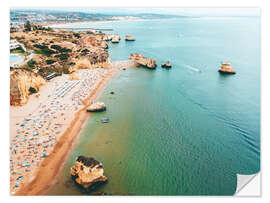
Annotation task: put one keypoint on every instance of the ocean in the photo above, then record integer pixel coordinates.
(187, 130)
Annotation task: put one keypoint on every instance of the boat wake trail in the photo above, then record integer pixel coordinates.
(191, 68)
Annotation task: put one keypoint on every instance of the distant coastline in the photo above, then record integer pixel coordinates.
(62, 24)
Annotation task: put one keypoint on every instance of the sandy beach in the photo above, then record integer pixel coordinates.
(44, 130)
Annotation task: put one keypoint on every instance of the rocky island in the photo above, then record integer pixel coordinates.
(166, 65)
(140, 60)
(115, 38)
(88, 172)
(226, 68)
(129, 38)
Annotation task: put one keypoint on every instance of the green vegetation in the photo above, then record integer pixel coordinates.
(50, 61)
(85, 51)
(39, 46)
(62, 57)
(32, 90)
(60, 49)
(43, 49)
(71, 63)
(27, 26)
(77, 35)
(18, 50)
(56, 47)
(31, 63)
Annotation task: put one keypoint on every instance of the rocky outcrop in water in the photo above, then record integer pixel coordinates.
(166, 65)
(96, 107)
(115, 38)
(226, 68)
(22, 84)
(140, 60)
(129, 38)
(88, 172)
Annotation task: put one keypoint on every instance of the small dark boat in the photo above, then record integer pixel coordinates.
(105, 120)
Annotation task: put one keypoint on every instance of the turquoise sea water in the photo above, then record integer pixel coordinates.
(183, 131)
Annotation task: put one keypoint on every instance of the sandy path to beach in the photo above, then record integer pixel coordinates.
(45, 174)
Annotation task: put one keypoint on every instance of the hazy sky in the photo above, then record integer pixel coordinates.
(174, 11)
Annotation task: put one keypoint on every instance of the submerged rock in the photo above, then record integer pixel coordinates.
(166, 65)
(141, 60)
(226, 68)
(98, 106)
(129, 38)
(88, 172)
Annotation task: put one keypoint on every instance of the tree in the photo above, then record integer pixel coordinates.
(27, 26)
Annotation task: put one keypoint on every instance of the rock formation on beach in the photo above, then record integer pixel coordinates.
(96, 107)
(141, 60)
(226, 68)
(21, 82)
(129, 38)
(88, 172)
(166, 65)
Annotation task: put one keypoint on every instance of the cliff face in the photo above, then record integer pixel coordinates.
(93, 53)
(87, 63)
(88, 172)
(21, 83)
(96, 41)
(141, 60)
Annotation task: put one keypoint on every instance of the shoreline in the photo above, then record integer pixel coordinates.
(50, 167)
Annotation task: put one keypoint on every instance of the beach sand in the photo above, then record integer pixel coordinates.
(43, 131)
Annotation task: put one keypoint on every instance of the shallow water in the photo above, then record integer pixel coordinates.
(183, 131)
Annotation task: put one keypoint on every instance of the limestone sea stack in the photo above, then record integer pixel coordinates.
(226, 68)
(88, 172)
(96, 107)
(166, 65)
(140, 60)
(129, 38)
(115, 38)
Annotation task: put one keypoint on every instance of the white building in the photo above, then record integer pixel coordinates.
(13, 44)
